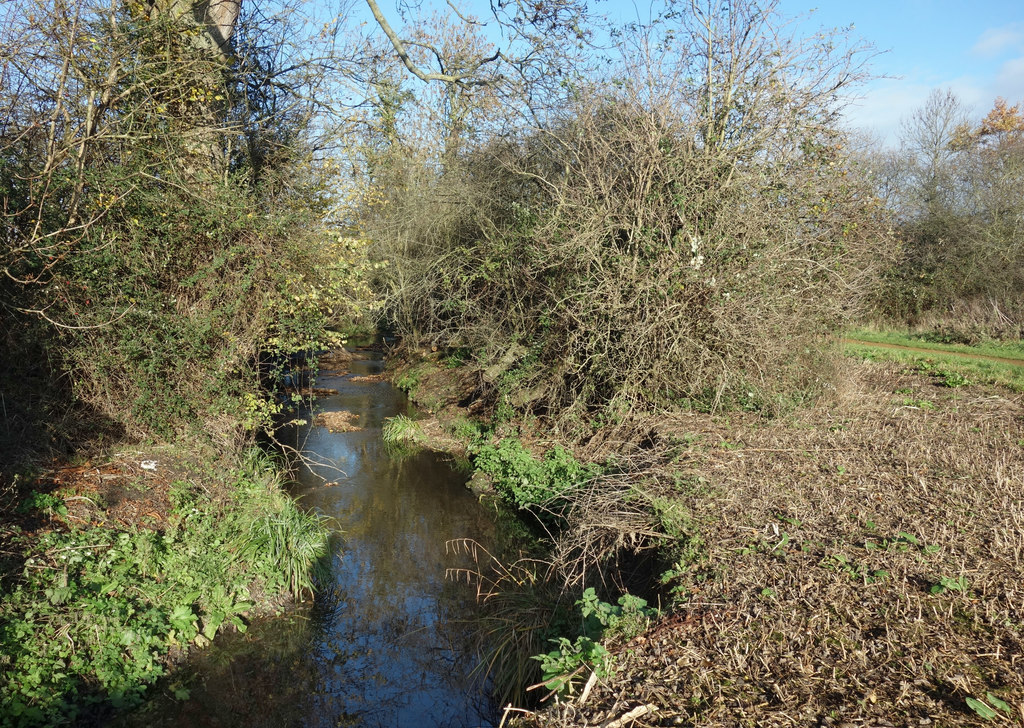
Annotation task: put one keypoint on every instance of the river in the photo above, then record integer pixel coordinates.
(389, 641)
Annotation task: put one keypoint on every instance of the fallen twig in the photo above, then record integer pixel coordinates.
(629, 717)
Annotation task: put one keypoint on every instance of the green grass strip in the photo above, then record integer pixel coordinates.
(1012, 350)
(952, 364)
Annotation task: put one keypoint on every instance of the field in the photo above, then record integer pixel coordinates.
(858, 563)
(991, 362)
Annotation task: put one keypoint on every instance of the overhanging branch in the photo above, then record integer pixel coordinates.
(465, 77)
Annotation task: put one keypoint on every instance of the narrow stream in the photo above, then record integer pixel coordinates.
(389, 641)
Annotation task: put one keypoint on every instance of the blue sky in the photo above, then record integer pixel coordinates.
(975, 48)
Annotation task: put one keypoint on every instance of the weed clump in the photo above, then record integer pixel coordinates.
(526, 481)
(87, 623)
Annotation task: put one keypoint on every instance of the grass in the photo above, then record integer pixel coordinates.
(1002, 349)
(402, 430)
(943, 360)
(520, 600)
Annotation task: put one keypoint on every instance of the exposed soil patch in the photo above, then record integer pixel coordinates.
(129, 490)
(437, 388)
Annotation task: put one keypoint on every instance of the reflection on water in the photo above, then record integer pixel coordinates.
(386, 644)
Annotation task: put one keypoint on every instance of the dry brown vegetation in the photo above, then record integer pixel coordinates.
(858, 563)
(337, 421)
(687, 226)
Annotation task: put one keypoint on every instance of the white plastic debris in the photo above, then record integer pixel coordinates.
(148, 464)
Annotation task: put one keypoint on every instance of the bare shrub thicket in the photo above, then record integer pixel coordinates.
(687, 230)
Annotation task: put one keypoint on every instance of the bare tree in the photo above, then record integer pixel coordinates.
(927, 139)
(681, 228)
(544, 45)
(961, 220)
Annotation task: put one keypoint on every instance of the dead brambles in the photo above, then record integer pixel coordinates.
(860, 564)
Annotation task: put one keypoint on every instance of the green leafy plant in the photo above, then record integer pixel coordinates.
(457, 357)
(98, 607)
(948, 583)
(467, 431)
(902, 542)
(525, 480)
(48, 503)
(629, 618)
(949, 378)
(987, 708)
(409, 379)
(917, 403)
(184, 496)
(561, 666)
(855, 570)
(601, 621)
(684, 547)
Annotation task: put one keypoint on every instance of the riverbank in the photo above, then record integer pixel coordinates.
(857, 562)
(115, 567)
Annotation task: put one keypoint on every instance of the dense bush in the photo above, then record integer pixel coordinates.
(961, 268)
(658, 241)
(165, 218)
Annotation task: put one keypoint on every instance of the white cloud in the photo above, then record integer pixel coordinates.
(885, 104)
(995, 41)
(975, 95)
(1010, 80)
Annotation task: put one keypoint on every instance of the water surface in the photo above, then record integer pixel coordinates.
(389, 640)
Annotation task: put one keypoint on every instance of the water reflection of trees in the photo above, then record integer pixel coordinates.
(395, 647)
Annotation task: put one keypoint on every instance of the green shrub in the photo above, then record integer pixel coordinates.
(526, 481)
(466, 430)
(160, 254)
(409, 380)
(601, 621)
